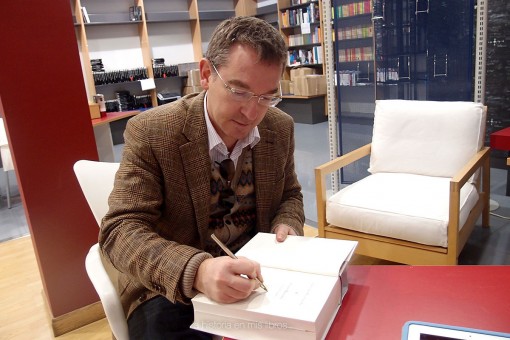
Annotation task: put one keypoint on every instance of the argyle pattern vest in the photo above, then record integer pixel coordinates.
(234, 226)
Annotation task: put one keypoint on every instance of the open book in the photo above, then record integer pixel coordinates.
(306, 282)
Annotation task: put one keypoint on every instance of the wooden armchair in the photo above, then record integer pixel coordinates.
(429, 182)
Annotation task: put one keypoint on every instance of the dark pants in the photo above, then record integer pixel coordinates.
(158, 318)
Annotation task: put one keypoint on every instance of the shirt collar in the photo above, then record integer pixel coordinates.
(215, 141)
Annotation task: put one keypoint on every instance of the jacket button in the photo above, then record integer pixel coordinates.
(142, 297)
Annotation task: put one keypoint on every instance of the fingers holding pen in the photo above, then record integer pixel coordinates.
(227, 280)
(255, 272)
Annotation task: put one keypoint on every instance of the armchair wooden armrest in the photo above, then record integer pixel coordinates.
(479, 161)
(457, 239)
(327, 168)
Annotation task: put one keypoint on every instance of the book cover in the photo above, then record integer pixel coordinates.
(306, 281)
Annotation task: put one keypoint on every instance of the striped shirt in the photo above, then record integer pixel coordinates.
(218, 149)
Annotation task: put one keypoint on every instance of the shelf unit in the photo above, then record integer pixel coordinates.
(307, 46)
(177, 30)
(269, 13)
(300, 23)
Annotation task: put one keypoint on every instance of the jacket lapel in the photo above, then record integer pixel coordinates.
(264, 154)
(196, 161)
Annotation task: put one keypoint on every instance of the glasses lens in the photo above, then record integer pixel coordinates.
(269, 101)
(241, 96)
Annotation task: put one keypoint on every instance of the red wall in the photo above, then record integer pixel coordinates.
(43, 100)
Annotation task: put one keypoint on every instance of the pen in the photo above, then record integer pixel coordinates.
(231, 254)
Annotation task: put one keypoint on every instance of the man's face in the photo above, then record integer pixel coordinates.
(233, 120)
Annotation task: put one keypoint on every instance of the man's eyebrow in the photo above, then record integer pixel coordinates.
(243, 85)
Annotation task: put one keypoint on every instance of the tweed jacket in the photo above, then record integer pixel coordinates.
(159, 207)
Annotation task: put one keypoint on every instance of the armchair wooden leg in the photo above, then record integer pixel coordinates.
(486, 185)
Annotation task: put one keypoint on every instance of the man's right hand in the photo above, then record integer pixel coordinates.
(220, 278)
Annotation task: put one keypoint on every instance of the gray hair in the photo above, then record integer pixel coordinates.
(250, 31)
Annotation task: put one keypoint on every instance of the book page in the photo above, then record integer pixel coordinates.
(294, 299)
(298, 253)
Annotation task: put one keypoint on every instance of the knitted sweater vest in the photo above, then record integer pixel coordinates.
(234, 226)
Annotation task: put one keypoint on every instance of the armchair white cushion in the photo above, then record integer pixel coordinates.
(425, 137)
(386, 204)
(423, 196)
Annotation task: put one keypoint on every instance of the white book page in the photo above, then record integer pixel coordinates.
(299, 253)
(294, 298)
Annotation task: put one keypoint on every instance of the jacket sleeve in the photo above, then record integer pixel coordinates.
(128, 236)
(290, 209)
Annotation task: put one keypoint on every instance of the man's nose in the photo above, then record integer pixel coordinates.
(250, 108)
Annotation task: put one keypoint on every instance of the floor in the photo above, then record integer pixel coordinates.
(312, 148)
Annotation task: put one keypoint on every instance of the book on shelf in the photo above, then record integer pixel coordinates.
(309, 56)
(306, 278)
(305, 39)
(355, 32)
(295, 17)
(355, 54)
(352, 9)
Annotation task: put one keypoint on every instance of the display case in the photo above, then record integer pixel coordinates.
(424, 49)
(398, 49)
(355, 78)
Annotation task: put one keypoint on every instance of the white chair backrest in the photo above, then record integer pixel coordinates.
(425, 137)
(96, 181)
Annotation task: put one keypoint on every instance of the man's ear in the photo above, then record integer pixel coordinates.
(205, 73)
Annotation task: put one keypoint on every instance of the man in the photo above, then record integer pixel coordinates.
(220, 162)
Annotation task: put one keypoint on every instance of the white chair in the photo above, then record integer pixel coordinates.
(96, 181)
(428, 184)
(7, 164)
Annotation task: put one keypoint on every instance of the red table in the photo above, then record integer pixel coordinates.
(382, 298)
(113, 116)
(500, 140)
(103, 133)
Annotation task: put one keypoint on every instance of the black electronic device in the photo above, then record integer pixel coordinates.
(167, 97)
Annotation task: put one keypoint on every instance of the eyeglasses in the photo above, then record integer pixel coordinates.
(227, 171)
(244, 96)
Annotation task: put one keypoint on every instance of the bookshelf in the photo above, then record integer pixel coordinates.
(300, 25)
(127, 36)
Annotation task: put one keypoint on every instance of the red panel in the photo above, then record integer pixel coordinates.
(48, 123)
(500, 140)
(382, 298)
